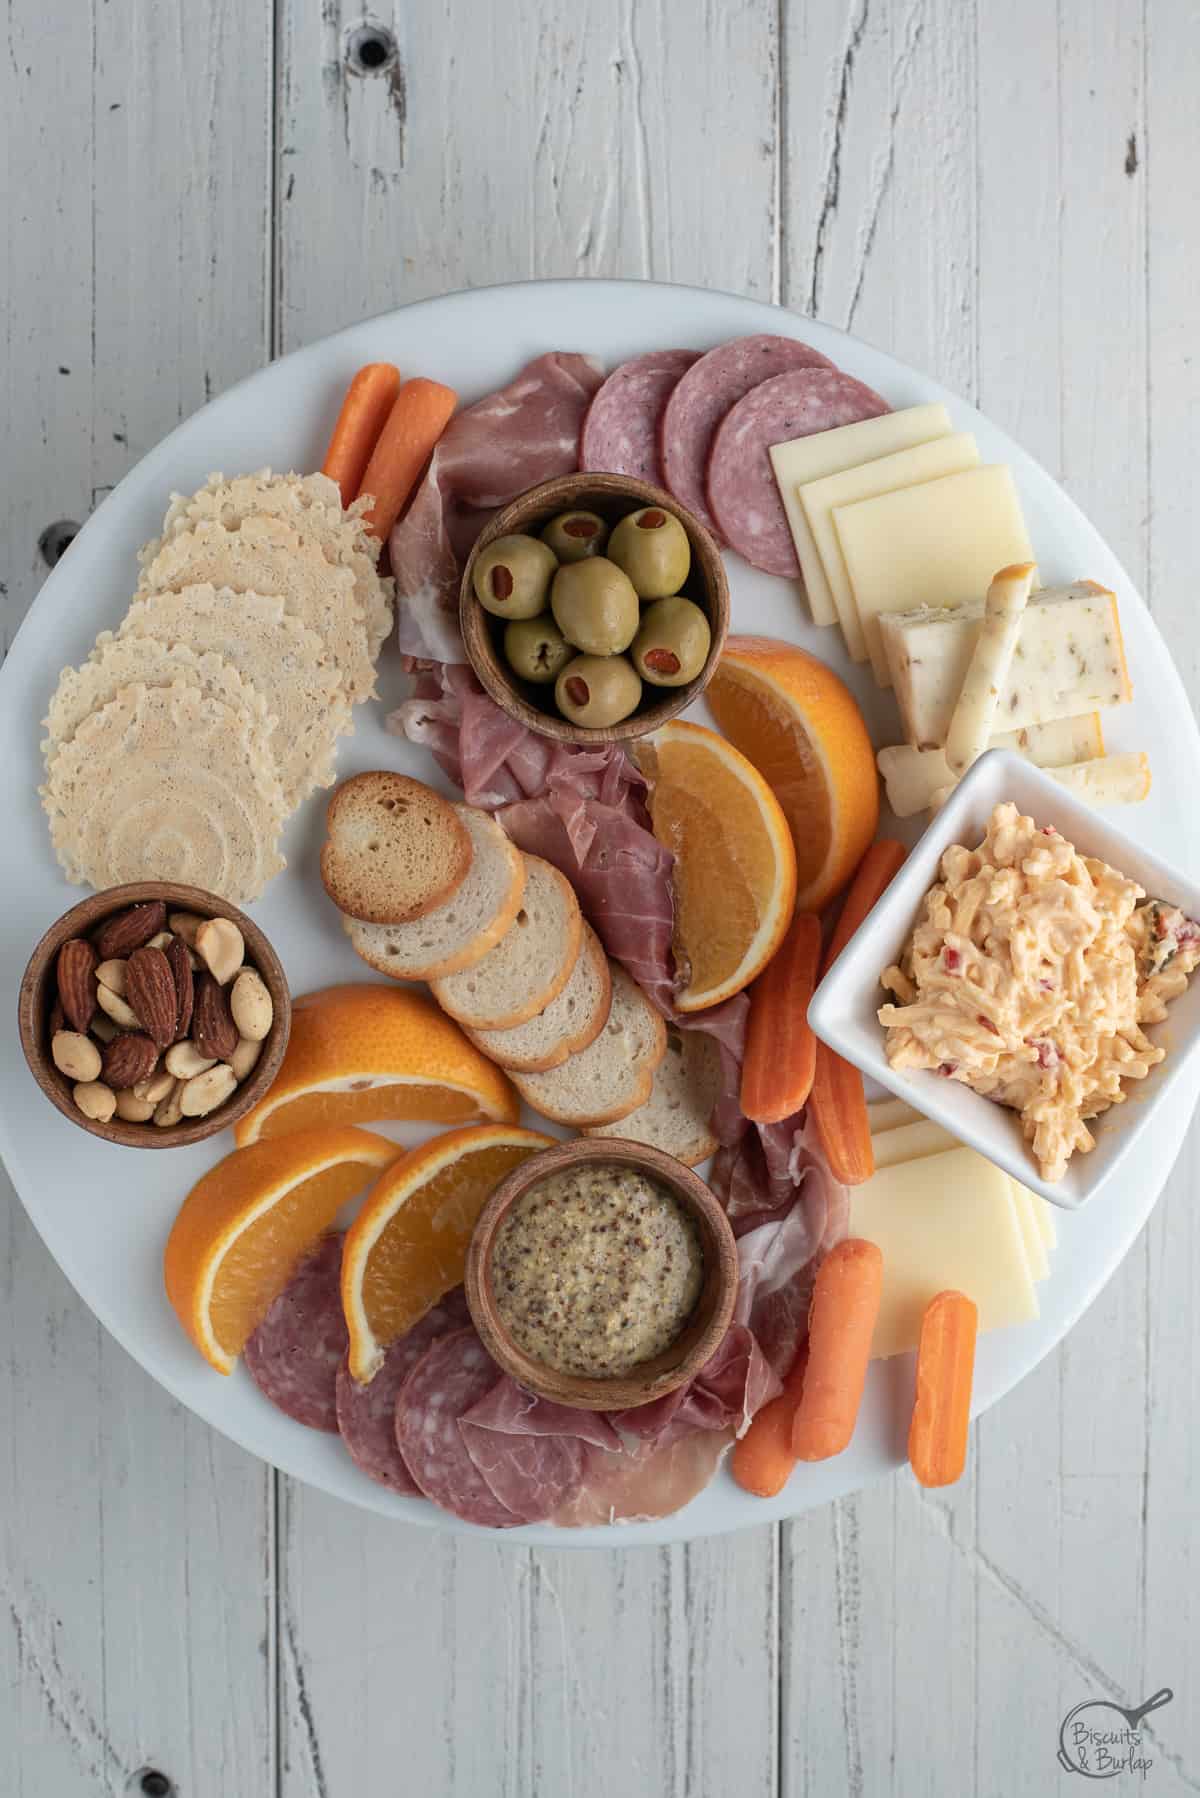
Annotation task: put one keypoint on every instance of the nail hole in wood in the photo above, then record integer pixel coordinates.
(56, 540)
(370, 50)
(152, 1783)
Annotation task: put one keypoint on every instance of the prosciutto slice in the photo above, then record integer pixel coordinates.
(733, 1384)
(635, 1488)
(529, 1450)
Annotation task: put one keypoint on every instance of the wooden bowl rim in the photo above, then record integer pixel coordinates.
(624, 1391)
(35, 995)
(570, 490)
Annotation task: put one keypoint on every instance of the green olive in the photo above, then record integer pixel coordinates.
(535, 647)
(574, 536)
(512, 576)
(652, 547)
(671, 646)
(597, 690)
(595, 607)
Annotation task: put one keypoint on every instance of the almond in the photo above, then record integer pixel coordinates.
(180, 963)
(185, 924)
(127, 1059)
(213, 1029)
(127, 930)
(77, 982)
(150, 994)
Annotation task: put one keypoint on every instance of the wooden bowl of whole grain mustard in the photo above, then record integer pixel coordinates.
(602, 1274)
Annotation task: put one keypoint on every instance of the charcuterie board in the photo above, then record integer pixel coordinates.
(105, 1213)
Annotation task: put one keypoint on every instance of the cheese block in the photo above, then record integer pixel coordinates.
(909, 1142)
(829, 452)
(913, 776)
(1035, 1246)
(820, 499)
(1069, 660)
(935, 545)
(944, 1222)
(889, 1114)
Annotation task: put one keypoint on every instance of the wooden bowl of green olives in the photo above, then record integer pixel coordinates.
(594, 607)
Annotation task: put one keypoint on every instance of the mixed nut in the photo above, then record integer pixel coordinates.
(157, 1018)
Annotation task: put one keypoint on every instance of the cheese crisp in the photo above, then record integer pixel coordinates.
(1030, 978)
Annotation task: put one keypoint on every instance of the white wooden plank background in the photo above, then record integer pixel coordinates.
(1002, 194)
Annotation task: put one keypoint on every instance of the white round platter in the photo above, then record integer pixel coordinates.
(104, 1212)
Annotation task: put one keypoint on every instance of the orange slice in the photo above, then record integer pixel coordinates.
(245, 1225)
(408, 1245)
(360, 1053)
(800, 726)
(735, 867)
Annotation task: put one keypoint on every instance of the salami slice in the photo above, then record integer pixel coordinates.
(452, 1375)
(366, 1415)
(705, 394)
(742, 494)
(621, 430)
(294, 1355)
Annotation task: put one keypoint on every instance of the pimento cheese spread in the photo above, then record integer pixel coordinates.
(1029, 980)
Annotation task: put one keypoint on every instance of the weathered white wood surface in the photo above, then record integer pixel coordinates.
(1000, 195)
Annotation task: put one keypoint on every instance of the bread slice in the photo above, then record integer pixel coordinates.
(676, 1116)
(395, 849)
(470, 923)
(569, 1023)
(614, 1074)
(530, 964)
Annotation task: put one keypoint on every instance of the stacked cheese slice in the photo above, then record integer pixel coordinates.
(944, 1218)
(899, 529)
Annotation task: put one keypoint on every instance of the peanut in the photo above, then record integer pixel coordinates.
(167, 1112)
(112, 975)
(132, 1109)
(245, 1057)
(220, 946)
(185, 1061)
(185, 924)
(121, 1014)
(155, 1087)
(75, 1055)
(207, 1091)
(251, 1005)
(95, 1100)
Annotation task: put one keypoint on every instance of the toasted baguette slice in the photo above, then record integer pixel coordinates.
(676, 1115)
(466, 927)
(394, 850)
(614, 1074)
(569, 1023)
(530, 964)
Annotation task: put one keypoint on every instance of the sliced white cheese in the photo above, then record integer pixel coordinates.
(889, 1114)
(935, 545)
(1035, 1246)
(913, 776)
(910, 1142)
(820, 499)
(1043, 1211)
(945, 1222)
(1069, 659)
(828, 452)
(1113, 780)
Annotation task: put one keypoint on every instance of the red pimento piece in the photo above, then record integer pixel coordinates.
(951, 960)
(947, 1068)
(1047, 1055)
(987, 1024)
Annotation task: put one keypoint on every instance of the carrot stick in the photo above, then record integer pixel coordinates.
(875, 871)
(839, 1109)
(777, 1073)
(369, 398)
(937, 1438)
(417, 419)
(763, 1458)
(841, 1323)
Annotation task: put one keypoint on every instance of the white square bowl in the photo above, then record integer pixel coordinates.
(843, 1009)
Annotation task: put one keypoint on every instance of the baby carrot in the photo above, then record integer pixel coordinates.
(937, 1439)
(777, 1073)
(369, 398)
(841, 1323)
(417, 419)
(763, 1458)
(875, 871)
(839, 1108)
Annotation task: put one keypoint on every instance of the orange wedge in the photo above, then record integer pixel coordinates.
(799, 725)
(735, 867)
(408, 1245)
(361, 1053)
(245, 1225)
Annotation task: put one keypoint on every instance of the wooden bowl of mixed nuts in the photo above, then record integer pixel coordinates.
(154, 1015)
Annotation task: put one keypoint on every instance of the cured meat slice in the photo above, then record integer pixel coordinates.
(634, 1488)
(703, 396)
(621, 430)
(453, 1374)
(530, 1450)
(734, 1383)
(294, 1354)
(366, 1415)
(742, 493)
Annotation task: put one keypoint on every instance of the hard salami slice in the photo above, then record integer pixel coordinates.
(705, 394)
(452, 1375)
(294, 1354)
(742, 493)
(621, 430)
(366, 1415)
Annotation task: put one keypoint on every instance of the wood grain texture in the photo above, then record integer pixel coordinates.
(1004, 195)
